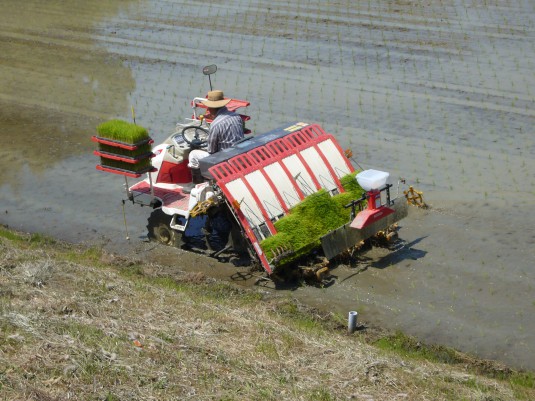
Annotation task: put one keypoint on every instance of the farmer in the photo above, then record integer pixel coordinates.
(225, 130)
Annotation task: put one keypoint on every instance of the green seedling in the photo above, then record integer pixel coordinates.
(122, 131)
(314, 217)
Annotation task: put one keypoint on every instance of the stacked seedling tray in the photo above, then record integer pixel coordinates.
(124, 148)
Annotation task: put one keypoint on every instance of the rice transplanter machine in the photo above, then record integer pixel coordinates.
(258, 188)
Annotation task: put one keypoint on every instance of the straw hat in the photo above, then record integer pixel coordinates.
(216, 99)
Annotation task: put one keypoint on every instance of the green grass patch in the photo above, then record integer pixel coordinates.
(321, 394)
(319, 213)
(219, 291)
(523, 379)
(22, 238)
(90, 255)
(268, 348)
(410, 347)
(301, 319)
(122, 131)
(111, 397)
(223, 291)
(86, 334)
(40, 239)
(168, 282)
(6, 330)
(11, 235)
(522, 384)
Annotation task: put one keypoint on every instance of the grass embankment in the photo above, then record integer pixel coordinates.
(77, 323)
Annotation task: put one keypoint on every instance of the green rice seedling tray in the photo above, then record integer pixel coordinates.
(301, 229)
(125, 165)
(141, 150)
(123, 158)
(123, 136)
(124, 148)
(122, 145)
(128, 173)
(122, 131)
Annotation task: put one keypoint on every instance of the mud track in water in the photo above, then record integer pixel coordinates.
(441, 94)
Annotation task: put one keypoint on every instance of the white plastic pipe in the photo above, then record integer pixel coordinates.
(352, 322)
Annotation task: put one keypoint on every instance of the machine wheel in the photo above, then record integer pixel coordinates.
(159, 230)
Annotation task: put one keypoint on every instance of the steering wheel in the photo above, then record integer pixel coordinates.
(195, 136)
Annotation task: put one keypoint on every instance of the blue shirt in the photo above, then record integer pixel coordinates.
(226, 129)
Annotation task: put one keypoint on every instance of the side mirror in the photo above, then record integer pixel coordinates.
(209, 69)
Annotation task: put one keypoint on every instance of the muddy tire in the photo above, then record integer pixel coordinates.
(159, 230)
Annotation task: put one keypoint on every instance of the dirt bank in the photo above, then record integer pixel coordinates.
(76, 323)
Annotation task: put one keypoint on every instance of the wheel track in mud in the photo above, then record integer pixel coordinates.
(84, 40)
(127, 44)
(454, 97)
(322, 17)
(455, 92)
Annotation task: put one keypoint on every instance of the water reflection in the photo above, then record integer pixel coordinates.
(56, 81)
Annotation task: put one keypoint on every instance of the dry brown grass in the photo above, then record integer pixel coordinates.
(108, 330)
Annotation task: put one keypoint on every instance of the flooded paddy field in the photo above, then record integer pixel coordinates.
(441, 93)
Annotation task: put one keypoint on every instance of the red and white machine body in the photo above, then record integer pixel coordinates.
(170, 182)
(373, 182)
(263, 178)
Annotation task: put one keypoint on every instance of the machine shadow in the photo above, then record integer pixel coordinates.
(400, 251)
(404, 252)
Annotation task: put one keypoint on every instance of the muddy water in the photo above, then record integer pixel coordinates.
(57, 84)
(441, 95)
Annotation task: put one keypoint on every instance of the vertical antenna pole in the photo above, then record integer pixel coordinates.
(151, 188)
(125, 226)
(126, 187)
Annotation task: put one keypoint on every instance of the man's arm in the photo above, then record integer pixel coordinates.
(213, 139)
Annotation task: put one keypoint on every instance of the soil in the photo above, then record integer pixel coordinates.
(441, 95)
